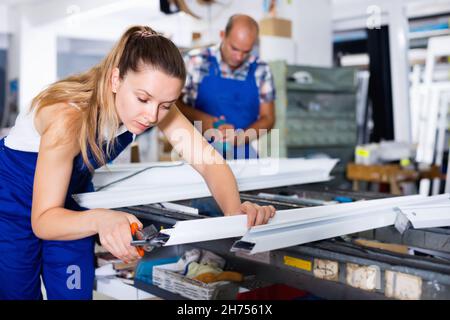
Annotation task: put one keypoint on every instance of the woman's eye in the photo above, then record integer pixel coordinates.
(167, 107)
(142, 100)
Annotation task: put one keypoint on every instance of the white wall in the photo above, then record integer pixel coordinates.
(312, 30)
(75, 55)
(4, 41)
(311, 25)
(219, 14)
(286, 49)
(31, 59)
(36, 25)
(3, 19)
(311, 21)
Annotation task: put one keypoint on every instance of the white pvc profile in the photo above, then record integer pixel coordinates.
(398, 54)
(183, 182)
(134, 197)
(206, 229)
(177, 173)
(429, 215)
(297, 226)
(300, 234)
(179, 207)
(429, 201)
(441, 137)
(447, 182)
(325, 222)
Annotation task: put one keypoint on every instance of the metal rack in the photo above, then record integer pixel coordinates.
(335, 268)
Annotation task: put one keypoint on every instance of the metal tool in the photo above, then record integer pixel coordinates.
(147, 239)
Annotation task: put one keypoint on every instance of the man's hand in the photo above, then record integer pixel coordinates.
(229, 132)
(224, 127)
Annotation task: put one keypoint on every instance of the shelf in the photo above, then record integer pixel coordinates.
(293, 86)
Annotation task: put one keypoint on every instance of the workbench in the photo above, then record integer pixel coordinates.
(340, 268)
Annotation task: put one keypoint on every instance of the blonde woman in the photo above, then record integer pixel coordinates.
(74, 126)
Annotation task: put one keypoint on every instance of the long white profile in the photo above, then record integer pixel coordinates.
(429, 214)
(181, 182)
(206, 229)
(298, 226)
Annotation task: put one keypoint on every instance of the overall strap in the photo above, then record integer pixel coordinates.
(252, 70)
(214, 69)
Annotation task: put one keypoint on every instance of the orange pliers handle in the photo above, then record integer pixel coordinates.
(134, 231)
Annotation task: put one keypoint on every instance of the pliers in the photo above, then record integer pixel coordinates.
(147, 239)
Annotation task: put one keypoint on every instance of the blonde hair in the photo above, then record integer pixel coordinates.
(91, 91)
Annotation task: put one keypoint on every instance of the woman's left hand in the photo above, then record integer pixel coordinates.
(257, 215)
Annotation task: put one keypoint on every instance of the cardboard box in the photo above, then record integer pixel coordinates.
(275, 27)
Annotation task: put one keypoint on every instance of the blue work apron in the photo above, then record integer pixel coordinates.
(67, 267)
(236, 100)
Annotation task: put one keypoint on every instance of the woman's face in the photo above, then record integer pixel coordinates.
(144, 98)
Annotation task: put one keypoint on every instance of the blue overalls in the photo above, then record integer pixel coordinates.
(237, 100)
(67, 267)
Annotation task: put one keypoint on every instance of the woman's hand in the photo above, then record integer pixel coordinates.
(114, 231)
(257, 215)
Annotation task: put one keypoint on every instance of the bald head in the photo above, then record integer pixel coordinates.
(242, 22)
(238, 39)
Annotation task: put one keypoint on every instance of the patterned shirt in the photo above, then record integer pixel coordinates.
(197, 66)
